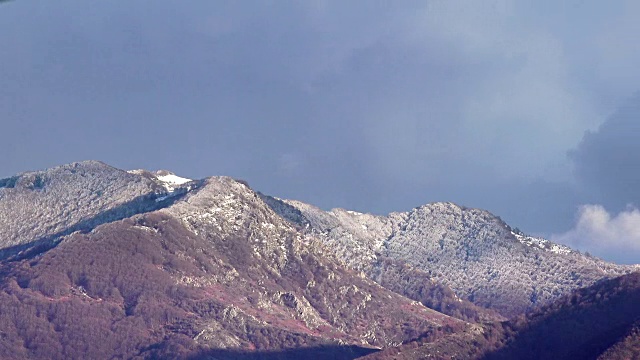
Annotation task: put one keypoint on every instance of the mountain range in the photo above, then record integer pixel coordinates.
(99, 262)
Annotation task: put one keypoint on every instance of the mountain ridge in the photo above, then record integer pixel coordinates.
(212, 267)
(470, 250)
(430, 238)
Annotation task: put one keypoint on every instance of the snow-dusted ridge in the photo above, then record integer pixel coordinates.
(39, 208)
(541, 243)
(472, 251)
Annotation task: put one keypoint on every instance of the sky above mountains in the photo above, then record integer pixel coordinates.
(529, 109)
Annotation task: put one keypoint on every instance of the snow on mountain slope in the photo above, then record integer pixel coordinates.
(470, 250)
(37, 204)
(39, 207)
(542, 243)
(354, 237)
(173, 179)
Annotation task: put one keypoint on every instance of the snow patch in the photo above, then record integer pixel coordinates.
(541, 243)
(173, 179)
(170, 181)
(167, 179)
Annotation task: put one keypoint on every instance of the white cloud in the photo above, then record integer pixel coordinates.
(611, 237)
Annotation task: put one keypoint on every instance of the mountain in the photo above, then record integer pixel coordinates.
(214, 271)
(38, 208)
(598, 322)
(394, 274)
(473, 252)
(97, 262)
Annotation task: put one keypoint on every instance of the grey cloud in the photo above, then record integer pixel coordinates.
(607, 173)
(607, 162)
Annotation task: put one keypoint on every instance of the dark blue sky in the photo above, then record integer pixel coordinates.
(524, 108)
